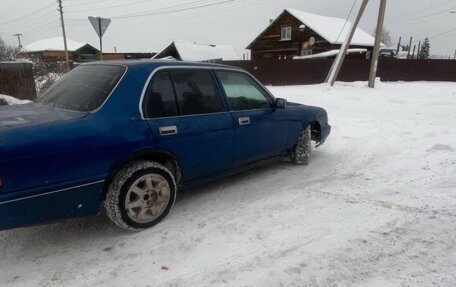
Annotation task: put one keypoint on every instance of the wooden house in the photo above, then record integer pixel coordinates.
(297, 33)
(53, 50)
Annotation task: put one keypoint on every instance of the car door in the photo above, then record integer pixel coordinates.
(188, 118)
(260, 129)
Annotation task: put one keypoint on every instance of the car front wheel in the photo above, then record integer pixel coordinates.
(141, 195)
(303, 147)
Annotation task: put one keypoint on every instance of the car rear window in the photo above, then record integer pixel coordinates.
(83, 89)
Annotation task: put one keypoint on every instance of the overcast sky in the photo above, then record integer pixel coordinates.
(149, 26)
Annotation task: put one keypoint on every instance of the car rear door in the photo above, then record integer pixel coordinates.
(260, 129)
(189, 119)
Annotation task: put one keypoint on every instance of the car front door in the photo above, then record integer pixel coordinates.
(260, 129)
(188, 118)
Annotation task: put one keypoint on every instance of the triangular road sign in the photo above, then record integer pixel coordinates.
(100, 25)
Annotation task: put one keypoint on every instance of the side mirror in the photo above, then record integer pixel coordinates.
(280, 103)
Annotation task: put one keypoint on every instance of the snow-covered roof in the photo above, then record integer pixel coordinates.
(330, 28)
(327, 54)
(53, 44)
(199, 52)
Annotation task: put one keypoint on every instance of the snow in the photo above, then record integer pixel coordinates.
(327, 54)
(376, 207)
(12, 100)
(198, 52)
(53, 44)
(333, 29)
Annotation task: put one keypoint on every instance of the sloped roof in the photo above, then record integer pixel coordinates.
(330, 28)
(199, 52)
(53, 44)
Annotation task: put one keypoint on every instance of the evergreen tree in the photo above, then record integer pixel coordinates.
(424, 50)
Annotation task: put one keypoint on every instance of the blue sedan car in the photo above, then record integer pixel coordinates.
(128, 135)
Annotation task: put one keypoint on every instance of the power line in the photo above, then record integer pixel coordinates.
(168, 10)
(27, 15)
(420, 18)
(154, 12)
(40, 27)
(174, 19)
(421, 10)
(346, 20)
(86, 3)
(129, 4)
(213, 12)
(32, 22)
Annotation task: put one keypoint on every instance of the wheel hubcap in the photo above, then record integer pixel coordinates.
(147, 198)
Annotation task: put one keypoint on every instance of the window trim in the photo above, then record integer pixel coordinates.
(286, 28)
(171, 67)
(144, 109)
(110, 94)
(265, 93)
(179, 109)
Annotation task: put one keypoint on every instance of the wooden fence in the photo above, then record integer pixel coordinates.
(16, 79)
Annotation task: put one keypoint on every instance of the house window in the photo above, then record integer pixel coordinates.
(306, 52)
(286, 34)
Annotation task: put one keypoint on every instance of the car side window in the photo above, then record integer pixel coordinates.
(243, 92)
(160, 98)
(196, 92)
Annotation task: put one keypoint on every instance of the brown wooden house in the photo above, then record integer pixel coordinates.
(53, 50)
(298, 33)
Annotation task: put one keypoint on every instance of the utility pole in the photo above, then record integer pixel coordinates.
(398, 45)
(335, 69)
(67, 60)
(378, 41)
(409, 47)
(418, 50)
(101, 41)
(18, 35)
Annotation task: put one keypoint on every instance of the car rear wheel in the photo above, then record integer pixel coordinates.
(141, 195)
(302, 149)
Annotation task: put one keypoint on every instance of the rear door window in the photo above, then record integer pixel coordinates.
(160, 100)
(196, 92)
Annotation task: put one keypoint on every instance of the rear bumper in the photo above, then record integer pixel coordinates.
(325, 131)
(17, 210)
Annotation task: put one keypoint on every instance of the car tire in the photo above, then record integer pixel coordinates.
(140, 195)
(302, 149)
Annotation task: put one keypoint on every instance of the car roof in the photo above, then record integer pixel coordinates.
(157, 63)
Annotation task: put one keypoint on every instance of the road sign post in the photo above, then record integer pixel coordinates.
(100, 25)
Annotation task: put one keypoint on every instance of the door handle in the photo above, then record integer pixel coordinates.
(244, 121)
(168, 130)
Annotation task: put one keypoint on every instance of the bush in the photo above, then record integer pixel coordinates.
(45, 76)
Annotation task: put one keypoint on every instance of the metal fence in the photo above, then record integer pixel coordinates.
(314, 71)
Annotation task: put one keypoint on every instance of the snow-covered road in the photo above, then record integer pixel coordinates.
(376, 207)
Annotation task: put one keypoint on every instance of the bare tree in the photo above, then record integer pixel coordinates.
(7, 52)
